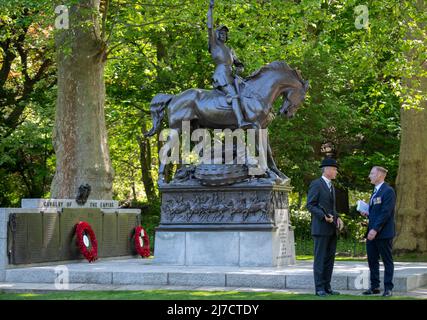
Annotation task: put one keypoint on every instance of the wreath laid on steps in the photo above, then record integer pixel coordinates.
(86, 241)
(142, 242)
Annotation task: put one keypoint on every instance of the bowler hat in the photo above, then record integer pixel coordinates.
(329, 162)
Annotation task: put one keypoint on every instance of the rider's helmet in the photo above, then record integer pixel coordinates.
(222, 28)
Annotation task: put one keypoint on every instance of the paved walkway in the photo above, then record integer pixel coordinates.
(143, 274)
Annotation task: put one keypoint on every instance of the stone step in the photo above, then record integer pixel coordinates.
(347, 275)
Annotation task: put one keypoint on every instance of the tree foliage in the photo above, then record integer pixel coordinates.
(27, 92)
(351, 111)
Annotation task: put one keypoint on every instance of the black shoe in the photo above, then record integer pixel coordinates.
(371, 291)
(332, 292)
(321, 293)
(387, 293)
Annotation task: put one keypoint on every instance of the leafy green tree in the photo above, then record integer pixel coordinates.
(80, 134)
(351, 112)
(411, 181)
(27, 84)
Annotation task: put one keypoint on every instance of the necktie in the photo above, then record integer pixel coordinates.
(372, 196)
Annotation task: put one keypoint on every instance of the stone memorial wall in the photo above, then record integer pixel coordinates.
(42, 230)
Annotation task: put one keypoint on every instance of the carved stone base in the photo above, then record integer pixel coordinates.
(239, 225)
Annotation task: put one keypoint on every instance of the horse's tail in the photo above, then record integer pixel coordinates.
(157, 108)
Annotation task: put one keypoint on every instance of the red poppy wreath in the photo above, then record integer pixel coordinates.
(142, 242)
(86, 241)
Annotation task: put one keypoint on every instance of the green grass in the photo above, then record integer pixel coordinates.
(345, 248)
(411, 257)
(349, 250)
(400, 258)
(183, 295)
(337, 258)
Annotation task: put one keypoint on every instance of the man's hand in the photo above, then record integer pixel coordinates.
(371, 235)
(211, 3)
(365, 214)
(329, 218)
(340, 224)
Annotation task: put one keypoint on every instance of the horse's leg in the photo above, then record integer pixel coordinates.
(271, 169)
(177, 113)
(258, 163)
(161, 178)
(162, 165)
(164, 168)
(251, 161)
(194, 125)
(169, 167)
(272, 164)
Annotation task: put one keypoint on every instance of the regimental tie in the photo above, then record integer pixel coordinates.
(374, 192)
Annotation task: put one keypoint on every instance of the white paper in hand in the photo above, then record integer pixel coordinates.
(362, 206)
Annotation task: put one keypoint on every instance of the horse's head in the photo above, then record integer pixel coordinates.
(292, 99)
(274, 80)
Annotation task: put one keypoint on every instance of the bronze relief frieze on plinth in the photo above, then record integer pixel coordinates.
(238, 206)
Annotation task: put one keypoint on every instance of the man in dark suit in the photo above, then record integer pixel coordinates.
(381, 231)
(324, 224)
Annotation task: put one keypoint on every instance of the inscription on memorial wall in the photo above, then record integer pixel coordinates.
(71, 204)
(68, 203)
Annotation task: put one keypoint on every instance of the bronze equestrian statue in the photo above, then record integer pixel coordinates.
(211, 108)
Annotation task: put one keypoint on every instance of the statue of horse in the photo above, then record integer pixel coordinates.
(210, 108)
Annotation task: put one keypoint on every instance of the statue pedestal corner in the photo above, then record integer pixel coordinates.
(225, 226)
(224, 248)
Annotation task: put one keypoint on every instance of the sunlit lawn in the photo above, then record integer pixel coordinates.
(402, 258)
(182, 295)
(337, 258)
(349, 250)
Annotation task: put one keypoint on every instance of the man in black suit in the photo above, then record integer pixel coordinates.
(381, 231)
(324, 224)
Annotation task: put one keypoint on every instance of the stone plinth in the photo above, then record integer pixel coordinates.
(245, 224)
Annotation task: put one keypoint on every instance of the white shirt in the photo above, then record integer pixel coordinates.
(328, 182)
(378, 186)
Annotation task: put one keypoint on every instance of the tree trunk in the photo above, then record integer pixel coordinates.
(411, 184)
(145, 161)
(80, 135)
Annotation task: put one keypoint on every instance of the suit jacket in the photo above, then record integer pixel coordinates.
(381, 212)
(320, 201)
